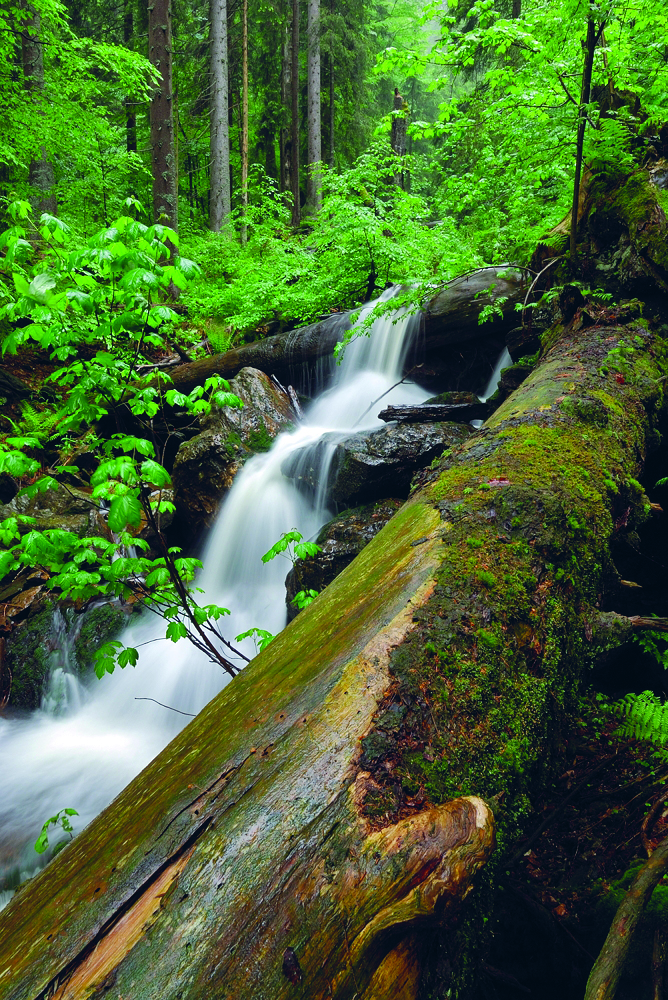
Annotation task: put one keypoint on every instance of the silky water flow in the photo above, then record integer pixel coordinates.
(88, 741)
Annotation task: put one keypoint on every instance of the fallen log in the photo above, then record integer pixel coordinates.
(450, 317)
(461, 413)
(327, 807)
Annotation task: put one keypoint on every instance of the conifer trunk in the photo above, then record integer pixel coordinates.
(590, 49)
(285, 142)
(244, 120)
(313, 182)
(219, 169)
(161, 115)
(40, 171)
(294, 151)
(130, 115)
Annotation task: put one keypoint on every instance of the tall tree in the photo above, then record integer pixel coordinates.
(313, 183)
(285, 141)
(244, 120)
(40, 175)
(296, 203)
(161, 114)
(219, 170)
(130, 116)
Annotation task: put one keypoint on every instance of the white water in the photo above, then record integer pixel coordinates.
(87, 743)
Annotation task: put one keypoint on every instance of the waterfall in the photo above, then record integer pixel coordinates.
(85, 744)
(82, 747)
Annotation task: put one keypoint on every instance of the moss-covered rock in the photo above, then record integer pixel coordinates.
(28, 656)
(205, 466)
(38, 644)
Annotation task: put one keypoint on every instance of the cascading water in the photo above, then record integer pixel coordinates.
(84, 754)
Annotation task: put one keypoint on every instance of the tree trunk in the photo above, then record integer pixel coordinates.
(331, 110)
(398, 135)
(326, 808)
(313, 182)
(219, 169)
(590, 49)
(450, 317)
(130, 115)
(40, 171)
(294, 152)
(244, 121)
(285, 178)
(161, 115)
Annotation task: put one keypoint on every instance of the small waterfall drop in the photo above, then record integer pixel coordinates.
(86, 743)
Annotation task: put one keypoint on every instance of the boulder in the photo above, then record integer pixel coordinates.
(66, 508)
(370, 464)
(50, 639)
(205, 466)
(340, 540)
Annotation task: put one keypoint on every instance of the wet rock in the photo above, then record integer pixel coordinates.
(513, 376)
(8, 488)
(369, 465)
(205, 466)
(36, 645)
(341, 539)
(66, 508)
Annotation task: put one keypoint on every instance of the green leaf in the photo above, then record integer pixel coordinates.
(128, 655)
(282, 544)
(123, 511)
(154, 473)
(176, 631)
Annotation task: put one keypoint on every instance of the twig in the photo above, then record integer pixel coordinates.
(609, 965)
(166, 706)
(400, 382)
(649, 821)
(533, 283)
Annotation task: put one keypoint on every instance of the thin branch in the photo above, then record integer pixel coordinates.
(192, 716)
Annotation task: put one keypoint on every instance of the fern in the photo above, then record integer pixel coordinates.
(608, 147)
(36, 423)
(645, 717)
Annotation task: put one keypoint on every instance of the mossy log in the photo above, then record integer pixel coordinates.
(334, 802)
(450, 317)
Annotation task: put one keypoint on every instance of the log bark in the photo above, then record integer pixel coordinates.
(428, 412)
(450, 317)
(328, 805)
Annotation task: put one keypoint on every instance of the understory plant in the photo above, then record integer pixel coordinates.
(96, 307)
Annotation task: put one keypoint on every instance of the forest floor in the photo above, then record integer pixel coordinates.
(557, 900)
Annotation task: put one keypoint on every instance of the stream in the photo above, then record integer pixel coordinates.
(87, 741)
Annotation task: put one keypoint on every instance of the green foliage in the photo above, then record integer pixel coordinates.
(62, 820)
(368, 233)
(645, 717)
(260, 636)
(303, 598)
(292, 545)
(110, 295)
